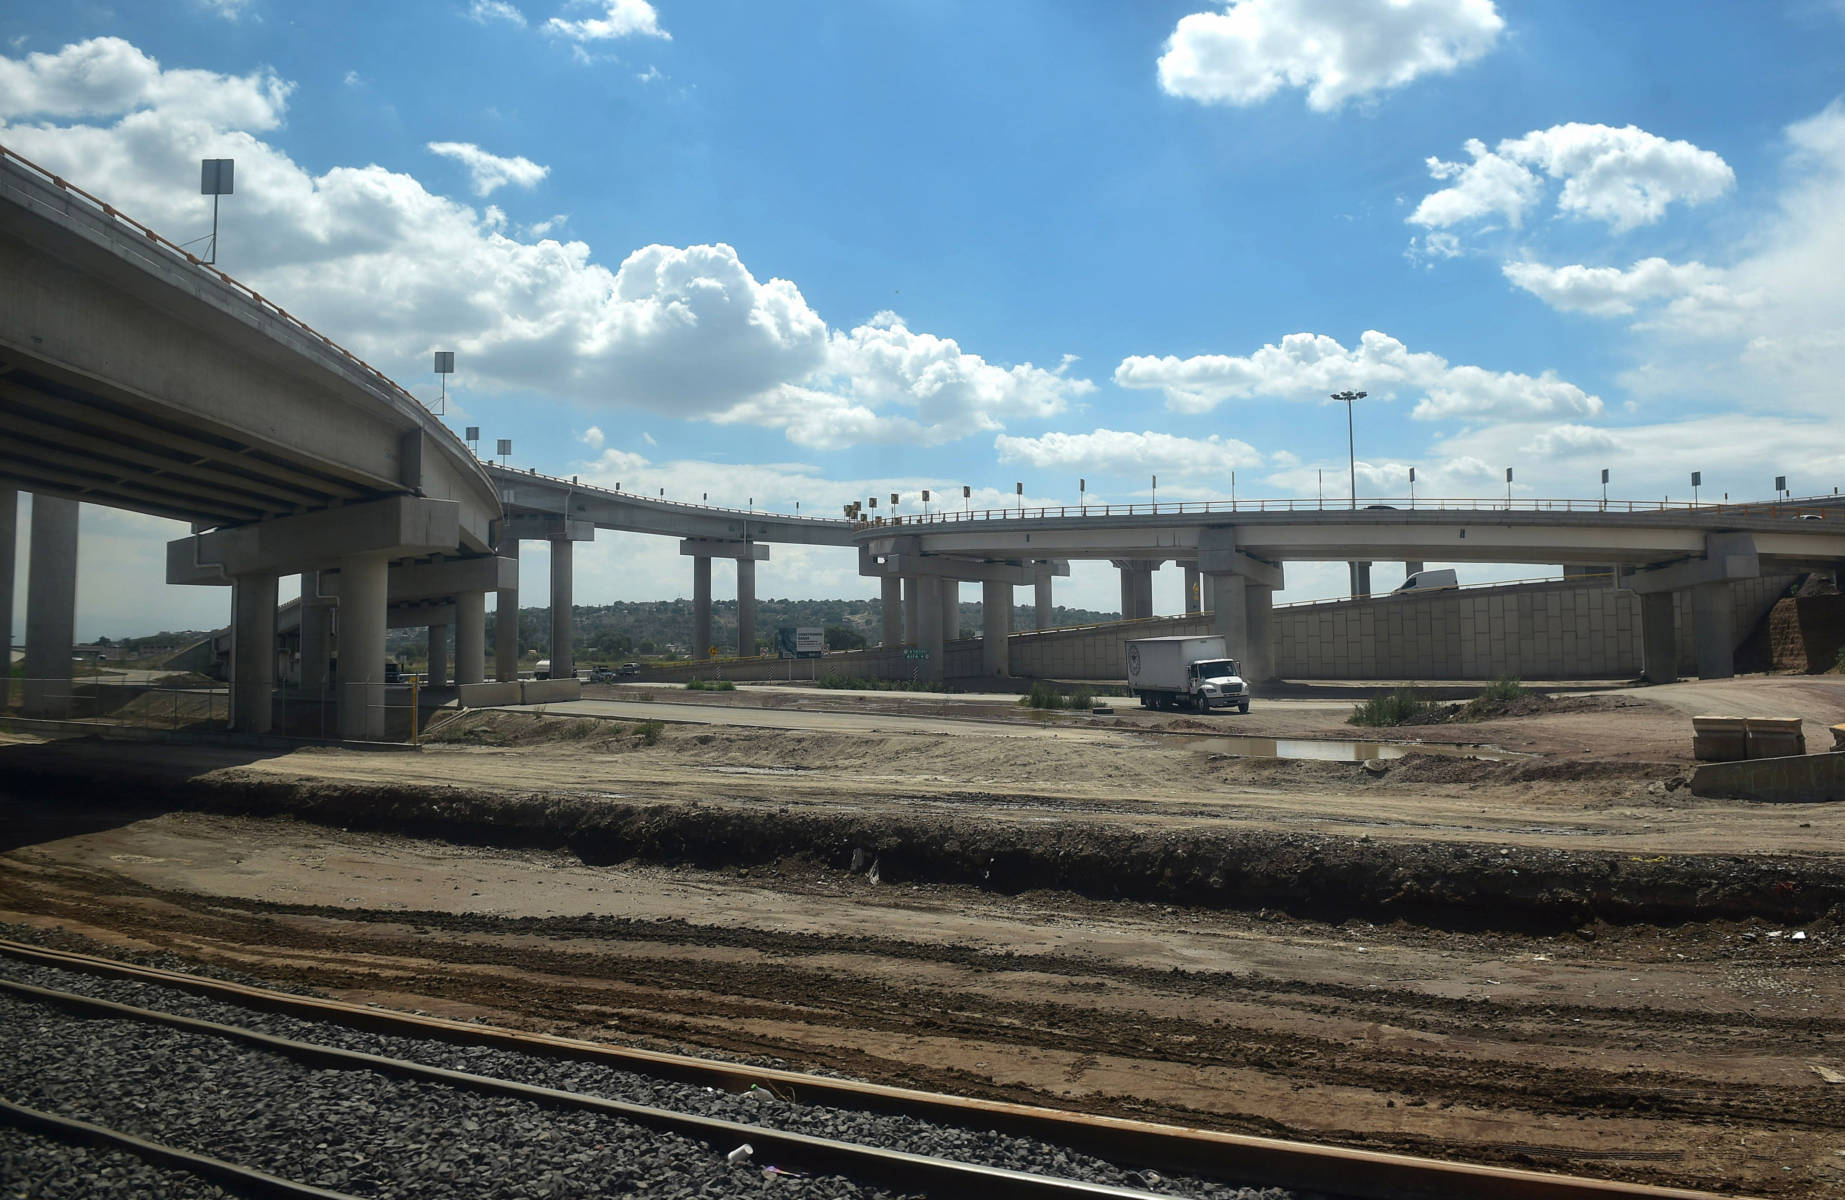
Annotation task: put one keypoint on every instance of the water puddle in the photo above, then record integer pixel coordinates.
(758, 770)
(1337, 751)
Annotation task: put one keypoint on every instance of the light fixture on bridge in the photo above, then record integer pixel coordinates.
(1018, 489)
(1604, 488)
(1156, 493)
(967, 499)
(504, 450)
(216, 176)
(1508, 487)
(1697, 478)
(445, 366)
(1412, 487)
(1351, 451)
(472, 438)
(1082, 494)
(1780, 485)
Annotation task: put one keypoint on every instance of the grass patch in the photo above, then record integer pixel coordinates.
(1401, 707)
(649, 732)
(710, 685)
(1044, 696)
(858, 683)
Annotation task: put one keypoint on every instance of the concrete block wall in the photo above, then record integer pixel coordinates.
(1094, 651)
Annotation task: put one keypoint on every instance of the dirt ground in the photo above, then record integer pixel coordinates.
(1552, 956)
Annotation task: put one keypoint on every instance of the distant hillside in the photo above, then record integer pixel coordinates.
(614, 631)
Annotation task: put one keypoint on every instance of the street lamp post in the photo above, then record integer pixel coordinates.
(1351, 453)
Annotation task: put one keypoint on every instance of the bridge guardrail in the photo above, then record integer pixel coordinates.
(757, 514)
(1826, 508)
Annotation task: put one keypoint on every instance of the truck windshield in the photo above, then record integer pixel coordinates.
(1214, 668)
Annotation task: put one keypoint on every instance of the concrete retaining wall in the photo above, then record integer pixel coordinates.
(1801, 779)
(486, 695)
(545, 691)
(1562, 630)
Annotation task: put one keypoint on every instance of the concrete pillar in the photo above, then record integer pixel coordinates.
(363, 590)
(701, 606)
(1046, 612)
(1658, 642)
(890, 608)
(1259, 648)
(51, 607)
(1194, 593)
(506, 620)
(1713, 614)
(563, 574)
(438, 656)
(470, 636)
(746, 608)
(253, 653)
(1361, 579)
(1127, 592)
(912, 611)
(995, 625)
(316, 635)
(1143, 590)
(1411, 568)
(951, 609)
(9, 540)
(1231, 617)
(929, 623)
(1207, 593)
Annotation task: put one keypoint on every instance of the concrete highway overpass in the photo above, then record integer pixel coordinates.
(1235, 557)
(132, 375)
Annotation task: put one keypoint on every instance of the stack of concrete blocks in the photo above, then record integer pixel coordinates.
(1733, 739)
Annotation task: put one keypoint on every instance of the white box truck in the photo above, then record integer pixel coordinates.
(1185, 672)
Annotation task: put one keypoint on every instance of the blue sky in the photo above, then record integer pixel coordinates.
(821, 251)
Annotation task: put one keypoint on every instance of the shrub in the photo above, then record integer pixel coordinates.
(1400, 707)
(1042, 695)
(649, 732)
(710, 685)
(1506, 687)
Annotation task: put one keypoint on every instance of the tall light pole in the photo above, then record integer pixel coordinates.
(1351, 454)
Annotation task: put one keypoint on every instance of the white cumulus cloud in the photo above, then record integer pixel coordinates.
(1312, 366)
(495, 10)
(618, 19)
(1120, 452)
(1335, 49)
(1611, 291)
(107, 76)
(490, 172)
(1622, 177)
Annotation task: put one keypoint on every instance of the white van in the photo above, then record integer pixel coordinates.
(1428, 581)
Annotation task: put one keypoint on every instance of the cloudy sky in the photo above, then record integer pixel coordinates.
(815, 251)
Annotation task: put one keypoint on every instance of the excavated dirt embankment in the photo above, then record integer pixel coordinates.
(1441, 884)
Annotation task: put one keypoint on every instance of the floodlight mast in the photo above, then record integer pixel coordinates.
(1351, 455)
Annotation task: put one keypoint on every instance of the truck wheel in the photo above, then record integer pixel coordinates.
(1243, 707)
(1202, 704)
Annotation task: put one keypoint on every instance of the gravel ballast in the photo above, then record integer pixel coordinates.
(358, 1131)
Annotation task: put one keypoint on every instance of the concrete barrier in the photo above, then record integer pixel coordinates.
(1798, 779)
(487, 695)
(546, 691)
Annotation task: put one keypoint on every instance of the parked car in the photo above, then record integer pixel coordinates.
(602, 675)
(629, 669)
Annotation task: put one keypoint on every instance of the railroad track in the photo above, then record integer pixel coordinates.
(415, 1081)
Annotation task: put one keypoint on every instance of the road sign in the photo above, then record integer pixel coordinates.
(916, 654)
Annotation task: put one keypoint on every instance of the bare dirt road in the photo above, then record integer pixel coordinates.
(1559, 959)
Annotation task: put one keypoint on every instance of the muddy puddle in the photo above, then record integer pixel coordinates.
(1328, 750)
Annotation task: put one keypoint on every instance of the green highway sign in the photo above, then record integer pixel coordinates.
(916, 654)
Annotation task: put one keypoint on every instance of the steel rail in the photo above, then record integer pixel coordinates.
(1363, 1174)
(874, 1164)
(244, 1179)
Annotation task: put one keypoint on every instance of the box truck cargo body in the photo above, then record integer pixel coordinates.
(1185, 672)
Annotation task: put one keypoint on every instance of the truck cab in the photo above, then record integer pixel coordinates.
(1217, 683)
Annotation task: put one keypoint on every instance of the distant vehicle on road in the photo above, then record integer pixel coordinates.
(1441, 580)
(602, 675)
(628, 669)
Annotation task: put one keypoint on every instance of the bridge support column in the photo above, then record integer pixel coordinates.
(1136, 587)
(1230, 619)
(438, 656)
(470, 636)
(1258, 646)
(1194, 591)
(890, 608)
(929, 623)
(1041, 596)
(912, 611)
(995, 625)
(1658, 642)
(253, 653)
(951, 609)
(701, 606)
(1713, 615)
(746, 608)
(506, 619)
(1361, 579)
(1411, 568)
(316, 635)
(9, 539)
(51, 607)
(363, 579)
(563, 565)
